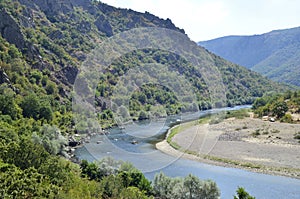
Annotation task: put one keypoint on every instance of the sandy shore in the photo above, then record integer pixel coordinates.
(252, 144)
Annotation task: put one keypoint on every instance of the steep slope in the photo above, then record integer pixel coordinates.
(274, 54)
(55, 37)
(43, 46)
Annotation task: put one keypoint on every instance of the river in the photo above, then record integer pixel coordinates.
(135, 143)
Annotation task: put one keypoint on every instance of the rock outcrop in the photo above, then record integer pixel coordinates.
(10, 30)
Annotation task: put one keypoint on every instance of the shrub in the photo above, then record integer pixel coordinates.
(256, 133)
(297, 135)
(287, 118)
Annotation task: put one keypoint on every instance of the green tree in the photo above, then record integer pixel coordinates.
(132, 193)
(51, 138)
(24, 154)
(28, 183)
(30, 106)
(8, 133)
(45, 111)
(51, 88)
(139, 180)
(37, 75)
(279, 109)
(162, 185)
(182, 188)
(58, 170)
(242, 194)
(192, 185)
(89, 170)
(8, 106)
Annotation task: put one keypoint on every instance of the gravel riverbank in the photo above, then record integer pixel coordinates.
(249, 143)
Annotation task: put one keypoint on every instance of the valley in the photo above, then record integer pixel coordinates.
(274, 54)
(87, 90)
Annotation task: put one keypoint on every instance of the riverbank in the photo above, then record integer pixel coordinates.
(249, 143)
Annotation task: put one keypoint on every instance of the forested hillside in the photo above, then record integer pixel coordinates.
(54, 38)
(42, 46)
(274, 54)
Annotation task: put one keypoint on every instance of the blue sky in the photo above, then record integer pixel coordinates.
(208, 19)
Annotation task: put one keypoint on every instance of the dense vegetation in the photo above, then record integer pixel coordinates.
(274, 54)
(117, 178)
(280, 106)
(41, 48)
(56, 39)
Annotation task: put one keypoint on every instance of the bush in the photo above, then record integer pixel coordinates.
(242, 194)
(181, 188)
(51, 88)
(297, 136)
(30, 106)
(287, 118)
(256, 133)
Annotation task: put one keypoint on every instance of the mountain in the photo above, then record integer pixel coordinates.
(274, 54)
(44, 46)
(45, 42)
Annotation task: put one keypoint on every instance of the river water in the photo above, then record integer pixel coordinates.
(136, 143)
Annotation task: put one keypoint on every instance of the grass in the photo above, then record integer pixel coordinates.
(239, 114)
(175, 145)
(294, 172)
(233, 162)
(175, 130)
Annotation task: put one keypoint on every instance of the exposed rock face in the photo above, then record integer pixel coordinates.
(46, 13)
(53, 7)
(4, 77)
(104, 26)
(68, 75)
(10, 30)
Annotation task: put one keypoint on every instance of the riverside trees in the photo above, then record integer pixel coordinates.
(278, 105)
(181, 188)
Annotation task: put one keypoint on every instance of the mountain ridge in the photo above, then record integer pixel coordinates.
(55, 37)
(43, 45)
(270, 54)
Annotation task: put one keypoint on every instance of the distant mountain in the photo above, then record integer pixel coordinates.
(43, 46)
(275, 54)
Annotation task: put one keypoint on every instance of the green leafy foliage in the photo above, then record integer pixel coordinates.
(8, 105)
(188, 187)
(37, 70)
(280, 106)
(51, 138)
(117, 178)
(28, 183)
(242, 194)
